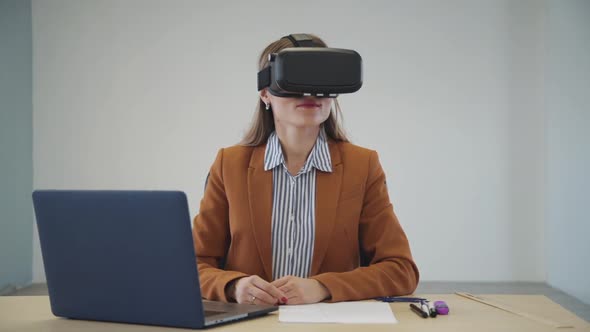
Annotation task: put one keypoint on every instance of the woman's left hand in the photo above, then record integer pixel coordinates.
(301, 290)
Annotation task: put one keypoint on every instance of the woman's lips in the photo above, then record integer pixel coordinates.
(308, 105)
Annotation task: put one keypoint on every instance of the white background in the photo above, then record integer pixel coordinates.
(141, 95)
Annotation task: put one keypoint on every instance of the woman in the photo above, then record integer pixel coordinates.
(291, 214)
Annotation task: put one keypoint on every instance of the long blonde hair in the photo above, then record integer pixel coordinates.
(263, 123)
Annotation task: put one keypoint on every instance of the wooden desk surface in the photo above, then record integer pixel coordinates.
(32, 313)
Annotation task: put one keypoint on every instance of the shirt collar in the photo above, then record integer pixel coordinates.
(319, 157)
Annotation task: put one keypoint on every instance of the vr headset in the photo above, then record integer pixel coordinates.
(307, 69)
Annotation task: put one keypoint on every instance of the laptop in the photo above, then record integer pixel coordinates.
(126, 256)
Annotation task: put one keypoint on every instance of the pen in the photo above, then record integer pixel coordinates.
(400, 299)
(418, 311)
(431, 309)
(424, 307)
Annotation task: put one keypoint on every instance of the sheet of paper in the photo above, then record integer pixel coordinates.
(342, 312)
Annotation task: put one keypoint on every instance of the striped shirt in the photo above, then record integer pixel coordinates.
(293, 208)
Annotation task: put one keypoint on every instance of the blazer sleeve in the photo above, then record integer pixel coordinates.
(211, 235)
(391, 270)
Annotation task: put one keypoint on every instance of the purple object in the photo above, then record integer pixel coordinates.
(441, 307)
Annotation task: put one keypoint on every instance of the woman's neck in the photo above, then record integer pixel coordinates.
(297, 143)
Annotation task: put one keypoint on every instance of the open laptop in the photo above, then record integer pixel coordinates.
(126, 256)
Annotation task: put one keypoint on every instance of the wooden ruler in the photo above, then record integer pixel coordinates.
(514, 311)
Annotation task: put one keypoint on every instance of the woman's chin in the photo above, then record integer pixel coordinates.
(308, 123)
(311, 121)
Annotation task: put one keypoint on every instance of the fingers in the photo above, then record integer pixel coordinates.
(268, 288)
(302, 290)
(262, 297)
(288, 290)
(293, 293)
(281, 282)
(255, 290)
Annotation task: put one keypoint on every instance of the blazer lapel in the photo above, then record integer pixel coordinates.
(327, 194)
(260, 199)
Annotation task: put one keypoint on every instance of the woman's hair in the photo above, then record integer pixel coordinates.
(263, 124)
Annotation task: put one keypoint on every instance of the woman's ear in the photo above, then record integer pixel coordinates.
(264, 95)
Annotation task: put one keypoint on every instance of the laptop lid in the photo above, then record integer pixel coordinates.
(123, 256)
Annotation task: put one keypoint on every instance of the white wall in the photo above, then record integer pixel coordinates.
(568, 146)
(16, 145)
(141, 94)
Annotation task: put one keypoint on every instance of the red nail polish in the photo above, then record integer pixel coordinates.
(284, 299)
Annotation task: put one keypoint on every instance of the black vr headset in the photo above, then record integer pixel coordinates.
(307, 69)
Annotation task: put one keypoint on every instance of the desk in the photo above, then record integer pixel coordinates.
(32, 313)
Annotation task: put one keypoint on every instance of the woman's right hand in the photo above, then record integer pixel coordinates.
(255, 290)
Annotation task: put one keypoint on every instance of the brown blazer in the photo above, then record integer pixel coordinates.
(354, 222)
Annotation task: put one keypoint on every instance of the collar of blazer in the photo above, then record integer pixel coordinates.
(260, 202)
